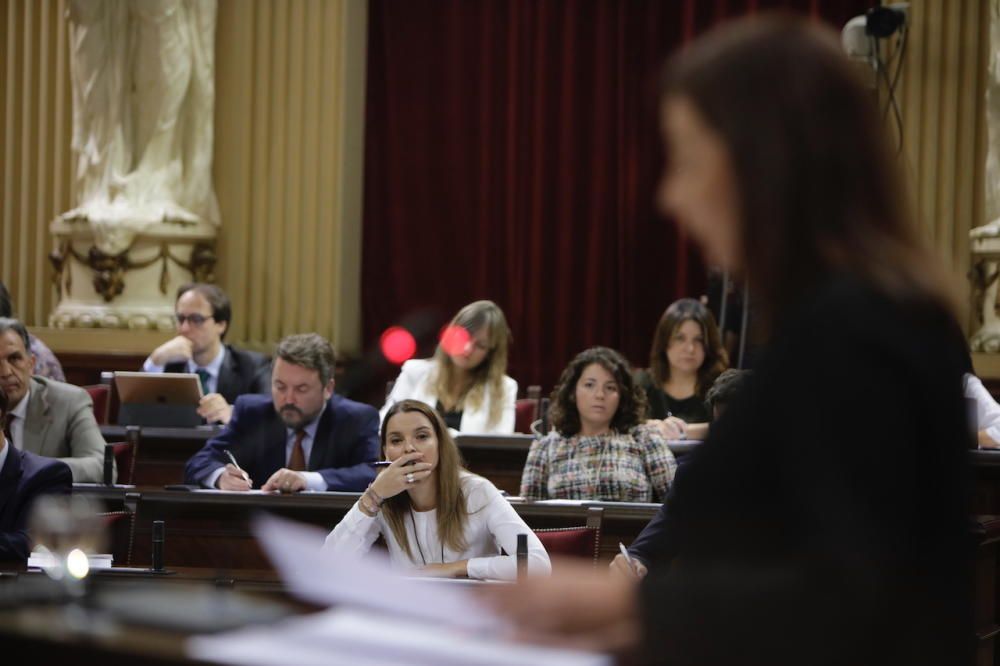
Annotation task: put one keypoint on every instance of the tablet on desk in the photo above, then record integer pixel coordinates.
(158, 399)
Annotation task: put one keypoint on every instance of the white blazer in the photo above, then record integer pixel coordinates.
(415, 383)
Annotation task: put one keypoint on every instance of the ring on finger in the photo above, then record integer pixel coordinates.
(409, 477)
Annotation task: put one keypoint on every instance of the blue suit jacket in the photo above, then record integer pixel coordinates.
(23, 478)
(345, 446)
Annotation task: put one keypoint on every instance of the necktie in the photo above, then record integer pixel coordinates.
(203, 376)
(8, 419)
(297, 461)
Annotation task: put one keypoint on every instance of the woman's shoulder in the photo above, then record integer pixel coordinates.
(478, 490)
(646, 432)
(418, 366)
(551, 438)
(510, 384)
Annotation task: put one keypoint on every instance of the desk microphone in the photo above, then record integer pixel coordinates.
(109, 464)
(158, 538)
(522, 556)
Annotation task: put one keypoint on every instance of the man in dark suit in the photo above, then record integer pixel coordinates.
(24, 477)
(203, 312)
(304, 437)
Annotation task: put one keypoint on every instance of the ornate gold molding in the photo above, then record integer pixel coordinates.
(109, 269)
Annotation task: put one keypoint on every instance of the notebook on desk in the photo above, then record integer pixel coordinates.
(158, 399)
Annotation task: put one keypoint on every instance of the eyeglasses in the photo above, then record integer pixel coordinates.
(194, 319)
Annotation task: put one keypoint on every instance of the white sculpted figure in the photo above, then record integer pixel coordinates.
(143, 98)
(985, 239)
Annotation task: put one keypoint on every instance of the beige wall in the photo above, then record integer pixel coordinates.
(288, 155)
(943, 89)
(289, 150)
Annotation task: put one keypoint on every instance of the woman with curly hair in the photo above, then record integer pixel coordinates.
(686, 357)
(599, 448)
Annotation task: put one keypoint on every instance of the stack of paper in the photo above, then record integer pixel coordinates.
(43, 559)
(379, 617)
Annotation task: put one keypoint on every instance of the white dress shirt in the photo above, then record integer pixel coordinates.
(213, 369)
(987, 409)
(3, 454)
(492, 524)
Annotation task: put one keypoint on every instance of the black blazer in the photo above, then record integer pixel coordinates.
(242, 372)
(345, 446)
(23, 478)
(835, 533)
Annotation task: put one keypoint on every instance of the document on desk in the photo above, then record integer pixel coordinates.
(365, 638)
(216, 491)
(327, 578)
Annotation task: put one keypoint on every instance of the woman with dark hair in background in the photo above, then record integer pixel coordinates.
(686, 357)
(599, 447)
(840, 537)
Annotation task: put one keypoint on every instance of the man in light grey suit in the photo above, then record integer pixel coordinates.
(46, 417)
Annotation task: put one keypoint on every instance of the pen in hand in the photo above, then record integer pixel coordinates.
(246, 477)
(628, 559)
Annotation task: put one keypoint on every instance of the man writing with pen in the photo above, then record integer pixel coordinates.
(304, 437)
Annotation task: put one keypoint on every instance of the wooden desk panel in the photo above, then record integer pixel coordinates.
(212, 529)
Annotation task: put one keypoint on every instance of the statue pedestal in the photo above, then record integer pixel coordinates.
(134, 289)
(983, 274)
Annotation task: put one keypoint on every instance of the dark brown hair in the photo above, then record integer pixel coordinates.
(716, 359)
(311, 351)
(222, 308)
(452, 513)
(818, 186)
(563, 414)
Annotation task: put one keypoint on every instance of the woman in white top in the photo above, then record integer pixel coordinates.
(468, 386)
(435, 516)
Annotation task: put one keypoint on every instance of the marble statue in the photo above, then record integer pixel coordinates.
(985, 239)
(143, 99)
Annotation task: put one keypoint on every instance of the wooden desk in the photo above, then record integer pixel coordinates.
(164, 451)
(206, 529)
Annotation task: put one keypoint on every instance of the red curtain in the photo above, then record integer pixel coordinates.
(512, 153)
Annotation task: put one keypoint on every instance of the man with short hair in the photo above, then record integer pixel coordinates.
(724, 390)
(302, 437)
(203, 312)
(23, 478)
(46, 363)
(46, 417)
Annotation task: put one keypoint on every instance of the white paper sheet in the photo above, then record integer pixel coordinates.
(365, 638)
(326, 578)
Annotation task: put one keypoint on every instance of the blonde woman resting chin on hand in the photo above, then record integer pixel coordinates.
(436, 518)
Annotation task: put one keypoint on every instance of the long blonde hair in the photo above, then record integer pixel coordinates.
(452, 514)
(489, 374)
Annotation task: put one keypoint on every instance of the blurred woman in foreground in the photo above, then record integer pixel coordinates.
(840, 536)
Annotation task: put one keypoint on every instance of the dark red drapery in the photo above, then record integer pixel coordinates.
(512, 153)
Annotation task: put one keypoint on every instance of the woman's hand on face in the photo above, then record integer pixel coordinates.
(396, 478)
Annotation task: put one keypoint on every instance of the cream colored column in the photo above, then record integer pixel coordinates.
(289, 163)
(942, 95)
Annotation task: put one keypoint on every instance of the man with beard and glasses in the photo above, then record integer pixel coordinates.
(303, 438)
